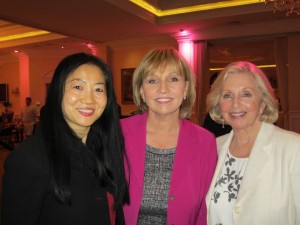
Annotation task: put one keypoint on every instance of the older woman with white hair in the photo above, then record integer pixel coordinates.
(257, 178)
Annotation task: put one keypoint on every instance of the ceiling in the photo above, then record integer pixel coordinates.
(117, 21)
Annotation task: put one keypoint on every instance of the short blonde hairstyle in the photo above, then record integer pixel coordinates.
(265, 90)
(159, 60)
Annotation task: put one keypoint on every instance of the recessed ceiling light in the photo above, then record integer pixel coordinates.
(23, 35)
(202, 7)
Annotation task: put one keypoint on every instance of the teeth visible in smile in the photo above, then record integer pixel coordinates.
(163, 99)
(86, 110)
(237, 114)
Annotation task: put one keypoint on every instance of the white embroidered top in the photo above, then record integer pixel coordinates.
(226, 190)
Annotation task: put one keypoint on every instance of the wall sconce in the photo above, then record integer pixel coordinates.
(15, 91)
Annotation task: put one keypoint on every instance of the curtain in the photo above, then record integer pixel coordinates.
(280, 48)
(201, 69)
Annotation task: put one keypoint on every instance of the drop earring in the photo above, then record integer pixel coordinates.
(223, 126)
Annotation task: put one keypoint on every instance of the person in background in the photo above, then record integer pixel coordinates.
(216, 128)
(257, 178)
(171, 160)
(28, 117)
(71, 170)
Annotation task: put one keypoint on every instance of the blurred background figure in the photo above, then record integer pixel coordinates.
(216, 128)
(28, 117)
(257, 178)
(171, 160)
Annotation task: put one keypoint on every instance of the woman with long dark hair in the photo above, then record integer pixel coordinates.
(71, 170)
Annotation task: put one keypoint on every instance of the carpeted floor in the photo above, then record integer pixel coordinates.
(3, 154)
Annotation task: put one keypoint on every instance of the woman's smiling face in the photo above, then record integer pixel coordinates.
(164, 92)
(84, 97)
(240, 102)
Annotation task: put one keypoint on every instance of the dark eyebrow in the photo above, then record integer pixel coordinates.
(83, 81)
(77, 79)
(101, 83)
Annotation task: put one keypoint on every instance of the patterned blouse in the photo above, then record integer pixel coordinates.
(158, 170)
(226, 190)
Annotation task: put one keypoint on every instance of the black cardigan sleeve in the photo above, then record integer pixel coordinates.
(24, 184)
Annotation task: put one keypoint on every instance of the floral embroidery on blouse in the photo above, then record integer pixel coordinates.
(231, 178)
(226, 189)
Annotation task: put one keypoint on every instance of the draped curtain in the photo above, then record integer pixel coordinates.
(201, 69)
(280, 48)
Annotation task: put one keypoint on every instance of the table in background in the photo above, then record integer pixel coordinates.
(6, 135)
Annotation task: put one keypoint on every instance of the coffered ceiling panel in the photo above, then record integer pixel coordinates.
(114, 21)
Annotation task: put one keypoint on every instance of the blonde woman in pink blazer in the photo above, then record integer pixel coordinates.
(257, 179)
(170, 161)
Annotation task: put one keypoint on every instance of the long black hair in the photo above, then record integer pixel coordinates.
(104, 137)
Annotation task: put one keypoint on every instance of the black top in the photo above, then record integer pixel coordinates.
(29, 200)
(214, 127)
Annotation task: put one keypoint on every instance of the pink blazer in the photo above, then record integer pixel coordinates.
(194, 165)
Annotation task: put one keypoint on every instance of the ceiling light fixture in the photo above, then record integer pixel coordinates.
(183, 32)
(23, 35)
(216, 5)
(289, 6)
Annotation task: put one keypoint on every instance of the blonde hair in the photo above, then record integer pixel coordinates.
(265, 90)
(159, 60)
